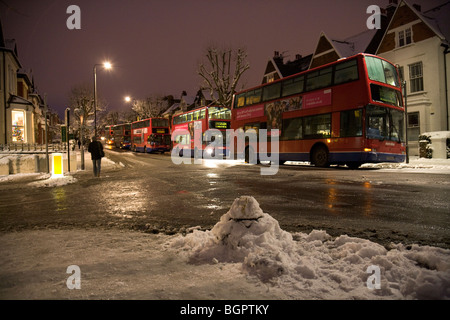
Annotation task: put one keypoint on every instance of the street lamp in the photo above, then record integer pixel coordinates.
(107, 66)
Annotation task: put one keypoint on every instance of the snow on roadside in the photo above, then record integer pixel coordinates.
(50, 181)
(315, 266)
(415, 164)
(246, 255)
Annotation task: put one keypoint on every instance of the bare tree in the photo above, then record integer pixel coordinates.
(222, 72)
(112, 117)
(150, 107)
(81, 103)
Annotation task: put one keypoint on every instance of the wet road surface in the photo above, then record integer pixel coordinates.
(149, 193)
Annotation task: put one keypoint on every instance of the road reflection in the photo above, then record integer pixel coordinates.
(339, 197)
(59, 195)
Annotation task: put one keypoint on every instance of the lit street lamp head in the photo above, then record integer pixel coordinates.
(107, 65)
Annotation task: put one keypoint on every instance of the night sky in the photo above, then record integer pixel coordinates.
(155, 46)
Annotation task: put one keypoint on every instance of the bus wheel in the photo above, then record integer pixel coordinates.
(319, 156)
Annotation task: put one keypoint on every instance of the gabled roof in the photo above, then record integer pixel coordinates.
(435, 19)
(9, 45)
(330, 49)
(438, 18)
(354, 44)
(172, 108)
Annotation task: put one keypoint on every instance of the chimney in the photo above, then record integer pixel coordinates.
(278, 58)
(417, 7)
(298, 56)
(390, 9)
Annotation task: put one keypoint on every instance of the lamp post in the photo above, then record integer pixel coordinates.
(107, 66)
(81, 116)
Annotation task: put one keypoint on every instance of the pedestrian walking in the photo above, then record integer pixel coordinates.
(79, 144)
(97, 153)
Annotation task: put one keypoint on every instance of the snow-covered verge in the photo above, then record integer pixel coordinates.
(245, 256)
(46, 179)
(415, 164)
(316, 266)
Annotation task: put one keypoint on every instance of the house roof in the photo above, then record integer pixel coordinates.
(172, 108)
(354, 44)
(9, 45)
(293, 67)
(438, 19)
(13, 99)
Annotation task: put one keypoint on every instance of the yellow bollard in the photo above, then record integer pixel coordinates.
(57, 165)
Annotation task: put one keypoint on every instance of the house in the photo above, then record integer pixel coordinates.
(329, 49)
(20, 108)
(418, 42)
(9, 65)
(276, 67)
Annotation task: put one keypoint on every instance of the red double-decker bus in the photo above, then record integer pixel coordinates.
(109, 135)
(201, 120)
(122, 135)
(150, 135)
(346, 112)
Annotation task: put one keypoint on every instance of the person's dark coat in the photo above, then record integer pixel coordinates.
(95, 148)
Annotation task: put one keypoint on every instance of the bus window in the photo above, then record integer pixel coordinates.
(240, 100)
(351, 123)
(345, 72)
(253, 97)
(293, 86)
(319, 79)
(196, 115)
(376, 123)
(382, 71)
(292, 129)
(318, 127)
(272, 91)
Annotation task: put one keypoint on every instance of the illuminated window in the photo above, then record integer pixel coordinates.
(18, 126)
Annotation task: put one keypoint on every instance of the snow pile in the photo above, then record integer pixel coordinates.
(415, 163)
(315, 266)
(53, 182)
(244, 234)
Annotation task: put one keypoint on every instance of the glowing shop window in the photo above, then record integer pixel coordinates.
(18, 126)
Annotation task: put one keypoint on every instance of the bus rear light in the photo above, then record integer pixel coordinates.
(329, 140)
(368, 149)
